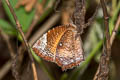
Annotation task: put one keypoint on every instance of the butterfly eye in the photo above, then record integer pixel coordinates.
(60, 44)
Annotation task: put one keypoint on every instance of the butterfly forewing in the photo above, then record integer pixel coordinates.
(40, 49)
(45, 47)
(53, 37)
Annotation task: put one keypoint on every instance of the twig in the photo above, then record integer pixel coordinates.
(34, 22)
(115, 31)
(79, 15)
(91, 20)
(38, 14)
(6, 67)
(19, 28)
(103, 69)
(6, 38)
(8, 64)
(21, 48)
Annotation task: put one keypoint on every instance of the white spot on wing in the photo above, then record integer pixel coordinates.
(77, 59)
(72, 60)
(43, 42)
(81, 56)
(41, 46)
(65, 63)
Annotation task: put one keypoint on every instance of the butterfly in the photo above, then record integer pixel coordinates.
(61, 45)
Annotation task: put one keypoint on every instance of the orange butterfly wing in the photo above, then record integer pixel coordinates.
(45, 46)
(59, 45)
(69, 52)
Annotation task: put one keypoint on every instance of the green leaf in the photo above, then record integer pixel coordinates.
(24, 17)
(7, 28)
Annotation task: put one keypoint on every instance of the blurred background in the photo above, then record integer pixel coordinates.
(36, 18)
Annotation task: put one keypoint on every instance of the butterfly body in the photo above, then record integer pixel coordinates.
(61, 46)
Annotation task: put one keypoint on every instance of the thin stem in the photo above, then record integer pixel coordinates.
(103, 68)
(114, 32)
(5, 69)
(19, 28)
(6, 38)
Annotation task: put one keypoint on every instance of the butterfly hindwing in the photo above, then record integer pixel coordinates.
(69, 52)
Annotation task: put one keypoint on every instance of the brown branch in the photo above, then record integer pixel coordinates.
(6, 39)
(5, 68)
(21, 49)
(78, 16)
(114, 32)
(91, 20)
(35, 21)
(39, 12)
(3, 71)
(103, 69)
(19, 28)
